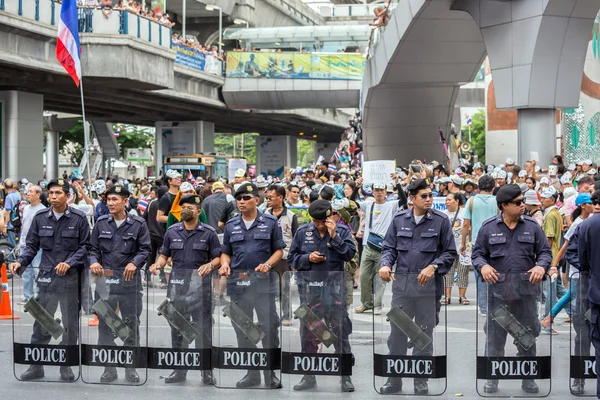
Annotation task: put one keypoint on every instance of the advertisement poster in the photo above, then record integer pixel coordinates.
(272, 150)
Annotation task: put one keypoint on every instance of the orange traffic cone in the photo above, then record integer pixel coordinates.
(5, 309)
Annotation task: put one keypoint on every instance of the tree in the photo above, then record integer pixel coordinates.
(134, 137)
(477, 135)
(305, 150)
(231, 144)
(71, 143)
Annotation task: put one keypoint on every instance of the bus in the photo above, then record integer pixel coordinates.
(199, 165)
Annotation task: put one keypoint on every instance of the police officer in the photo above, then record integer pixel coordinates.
(421, 244)
(511, 246)
(194, 247)
(62, 233)
(252, 244)
(320, 247)
(120, 243)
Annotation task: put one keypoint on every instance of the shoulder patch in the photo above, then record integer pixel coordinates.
(233, 220)
(269, 216)
(490, 220)
(77, 212)
(102, 218)
(210, 228)
(41, 211)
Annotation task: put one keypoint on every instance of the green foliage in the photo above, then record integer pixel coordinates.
(71, 143)
(232, 144)
(305, 151)
(477, 135)
(134, 137)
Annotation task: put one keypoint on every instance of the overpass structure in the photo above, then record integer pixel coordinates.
(429, 48)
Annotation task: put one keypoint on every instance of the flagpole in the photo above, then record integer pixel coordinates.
(86, 138)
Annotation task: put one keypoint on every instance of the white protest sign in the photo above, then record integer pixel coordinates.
(234, 165)
(378, 171)
(534, 156)
(439, 203)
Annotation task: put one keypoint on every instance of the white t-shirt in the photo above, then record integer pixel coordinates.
(383, 214)
(28, 214)
(248, 223)
(457, 228)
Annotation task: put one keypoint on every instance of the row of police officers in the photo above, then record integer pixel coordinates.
(418, 250)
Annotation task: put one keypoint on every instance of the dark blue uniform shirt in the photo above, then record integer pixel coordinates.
(413, 246)
(249, 248)
(507, 250)
(190, 249)
(62, 240)
(114, 247)
(587, 235)
(337, 250)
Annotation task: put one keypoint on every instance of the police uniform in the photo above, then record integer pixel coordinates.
(191, 294)
(61, 240)
(323, 291)
(250, 290)
(412, 247)
(589, 261)
(511, 253)
(114, 247)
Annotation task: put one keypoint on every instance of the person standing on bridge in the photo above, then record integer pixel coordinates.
(62, 233)
(120, 242)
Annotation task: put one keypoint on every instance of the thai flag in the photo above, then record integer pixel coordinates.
(332, 167)
(191, 178)
(68, 47)
(336, 154)
(142, 204)
(118, 131)
(469, 120)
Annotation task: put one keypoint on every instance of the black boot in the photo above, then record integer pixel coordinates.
(109, 375)
(131, 375)
(529, 386)
(207, 378)
(176, 376)
(271, 380)
(491, 386)
(578, 386)
(393, 385)
(66, 374)
(33, 372)
(421, 386)
(347, 385)
(252, 378)
(307, 382)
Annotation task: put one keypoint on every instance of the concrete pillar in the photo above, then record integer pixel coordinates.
(22, 135)
(205, 137)
(274, 153)
(52, 150)
(537, 133)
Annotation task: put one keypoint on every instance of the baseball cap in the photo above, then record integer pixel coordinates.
(588, 162)
(478, 165)
(171, 173)
(583, 198)
(240, 173)
(522, 173)
(509, 161)
(569, 192)
(531, 197)
(186, 187)
(549, 192)
(218, 186)
(501, 174)
(544, 180)
(457, 180)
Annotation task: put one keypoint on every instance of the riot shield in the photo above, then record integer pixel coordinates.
(513, 359)
(180, 337)
(582, 363)
(409, 339)
(113, 352)
(316, 348)
(45, 338)
(246, 331)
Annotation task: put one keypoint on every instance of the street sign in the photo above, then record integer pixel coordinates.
(139, 154)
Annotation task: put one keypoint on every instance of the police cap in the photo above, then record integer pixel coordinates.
(418, 184)
(190, 199)
(63, 183)
(246, 188)
(320, 209)
(118, 189)
(507, 193)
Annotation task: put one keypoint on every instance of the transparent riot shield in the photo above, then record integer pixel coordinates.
(246, 332)
(582, 363)
(409, 339)
(45, 338)
(316, 348)
(180, 337)
(113, 350)
(513, 359)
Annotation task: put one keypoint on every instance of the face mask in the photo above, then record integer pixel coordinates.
(187, 215)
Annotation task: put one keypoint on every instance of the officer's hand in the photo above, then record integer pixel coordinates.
(425, 275)
(315, 257)
(154, 268)
(96, 269)
(536, 274)
(225, 270)
(489, 274)
(262, 268)
(14, 267)
(205, 269)
(130, 270)
(330, 227)
(62, 268)
(385, 273)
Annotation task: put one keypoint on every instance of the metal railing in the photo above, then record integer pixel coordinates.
(348, 10)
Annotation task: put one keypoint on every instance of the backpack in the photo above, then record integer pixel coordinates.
(15, 217)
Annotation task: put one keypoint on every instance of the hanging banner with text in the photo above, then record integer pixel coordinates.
(379, 171)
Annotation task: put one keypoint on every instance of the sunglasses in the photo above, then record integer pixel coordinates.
(595, 202)
(426, 196)
(245, 197)
(517, 203)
